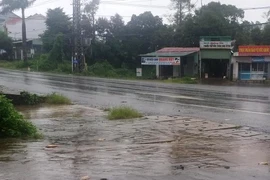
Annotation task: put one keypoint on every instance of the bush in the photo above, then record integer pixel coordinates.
(45, 65)
(12, 124)
(103, 69)
(30, 99)
(57, 99)
(125, 73)
(123, 113)
(64, 68)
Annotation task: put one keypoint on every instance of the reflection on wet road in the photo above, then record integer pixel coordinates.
(248, 106)
(154, 147)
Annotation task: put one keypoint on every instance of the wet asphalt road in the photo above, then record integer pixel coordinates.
(245, 106)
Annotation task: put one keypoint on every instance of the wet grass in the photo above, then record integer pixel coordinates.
(57, 99)
(123, 113)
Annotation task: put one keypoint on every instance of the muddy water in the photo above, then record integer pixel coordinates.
(89, 144)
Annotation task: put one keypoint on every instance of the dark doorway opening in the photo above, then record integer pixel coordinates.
(215, 68)
(166, 71)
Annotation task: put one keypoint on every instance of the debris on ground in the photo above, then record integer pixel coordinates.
(85, 178)
(264, 163)
(51, 146)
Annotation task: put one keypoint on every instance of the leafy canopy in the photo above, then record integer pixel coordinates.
(12, 5)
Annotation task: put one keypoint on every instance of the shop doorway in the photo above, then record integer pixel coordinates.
(214, 68)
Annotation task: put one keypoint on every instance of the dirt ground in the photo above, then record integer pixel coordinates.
(153, 147)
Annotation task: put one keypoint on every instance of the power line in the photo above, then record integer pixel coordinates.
(256, 8)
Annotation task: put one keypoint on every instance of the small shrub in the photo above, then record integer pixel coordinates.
(12, 124)
(30, 99)
(123, 113)
(64, 68)
(103, 69)
(57, 99)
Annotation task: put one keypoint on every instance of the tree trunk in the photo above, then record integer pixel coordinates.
(24, 43)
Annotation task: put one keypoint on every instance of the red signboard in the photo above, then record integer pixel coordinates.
(254, 50)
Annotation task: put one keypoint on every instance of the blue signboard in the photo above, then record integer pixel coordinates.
(258, 59)
(75, 61)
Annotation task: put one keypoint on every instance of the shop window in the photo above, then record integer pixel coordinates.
(266, 67)
(245, 67)
(254, 66)
(260, 66)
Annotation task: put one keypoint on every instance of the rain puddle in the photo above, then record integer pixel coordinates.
(89, 144)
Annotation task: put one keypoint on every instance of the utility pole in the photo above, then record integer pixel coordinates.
(78, 61)
(201, 3)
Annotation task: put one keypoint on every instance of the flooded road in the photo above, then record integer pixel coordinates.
(245, 106)
(154, 147)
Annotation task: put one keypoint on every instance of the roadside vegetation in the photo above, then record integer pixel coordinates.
(123, 112)
(26, 98)
(13, 124)
(57, 99)
(113, 49)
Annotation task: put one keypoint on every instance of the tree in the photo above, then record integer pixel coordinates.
(213, 19)
(56, 55)
(5, 44)
(90, 11)
(57, 23)
(266, 35)
(256, 36)
(12, 5)
(138, 36)
(182, 7)
(267, 16)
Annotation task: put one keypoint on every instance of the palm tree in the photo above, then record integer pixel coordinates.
(12, 5)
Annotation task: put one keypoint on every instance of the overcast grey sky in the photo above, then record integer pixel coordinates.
(157, 7)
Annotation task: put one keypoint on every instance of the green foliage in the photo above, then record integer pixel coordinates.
(266, 34)
(12, 5)
(5, 44)
(30, 99)
(103, 69)
(12, 124)
(123, 113)
(64, 67)
(57, 99)
(58, 23)
(56, 55)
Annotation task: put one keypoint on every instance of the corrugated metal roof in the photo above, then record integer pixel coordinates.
(172, 52)
(179, 49)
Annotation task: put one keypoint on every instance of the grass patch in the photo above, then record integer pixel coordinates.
(13, 124)
(57, 99)
(123, 113)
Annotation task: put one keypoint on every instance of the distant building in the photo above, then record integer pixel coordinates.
(35, 26)
(4, 18)
(251, 63)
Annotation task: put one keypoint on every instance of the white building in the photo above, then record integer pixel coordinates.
(35, 26)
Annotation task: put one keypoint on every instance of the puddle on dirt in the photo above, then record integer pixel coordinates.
(89, 144)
